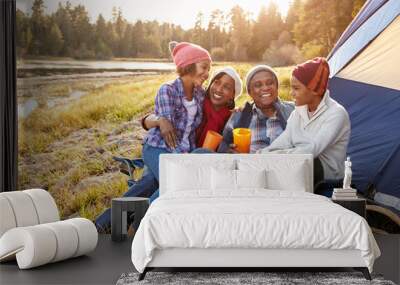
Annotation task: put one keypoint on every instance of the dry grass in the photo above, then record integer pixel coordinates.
(111, 103)
(107, 106)
(94, 199)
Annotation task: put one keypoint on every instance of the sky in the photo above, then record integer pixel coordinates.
(178, 12)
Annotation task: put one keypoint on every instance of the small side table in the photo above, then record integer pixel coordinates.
(356, 205)
(119, 215)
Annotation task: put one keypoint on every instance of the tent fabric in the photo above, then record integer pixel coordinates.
(374, 145)
(369, 8)
(364, 34)
(365, 80)
(379, 63)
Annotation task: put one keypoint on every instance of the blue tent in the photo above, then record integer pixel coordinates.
(365, 79)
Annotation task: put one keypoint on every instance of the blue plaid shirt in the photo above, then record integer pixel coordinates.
(169, 104)
(264, 130)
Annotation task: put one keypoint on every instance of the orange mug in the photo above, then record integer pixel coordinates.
(242, 139)
(212, 140)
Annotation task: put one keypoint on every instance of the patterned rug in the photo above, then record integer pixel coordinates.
(242, 278)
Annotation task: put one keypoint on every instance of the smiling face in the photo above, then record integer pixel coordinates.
(222, 91)
(300, 93)
(201, 72)
(263, 88)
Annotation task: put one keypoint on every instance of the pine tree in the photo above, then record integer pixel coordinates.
(240, 33)
(119, 27)
(198, 31)
(24, 34)
(38, 26)
(267, 28)
(54, 40)
(292, 16)
(63, 19)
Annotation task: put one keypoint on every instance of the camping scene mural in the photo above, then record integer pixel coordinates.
(88, 71)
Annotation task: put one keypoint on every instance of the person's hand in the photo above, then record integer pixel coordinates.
(232, 148)
(168, 132)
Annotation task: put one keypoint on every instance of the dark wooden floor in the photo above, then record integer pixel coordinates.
(110, 259)
(102, 266)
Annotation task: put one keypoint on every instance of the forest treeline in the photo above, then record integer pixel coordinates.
(310, 28)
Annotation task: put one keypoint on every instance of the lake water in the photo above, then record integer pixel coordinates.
(27, 107)
(101, 69)
(109, 69)
(89, 64)
(24, 109)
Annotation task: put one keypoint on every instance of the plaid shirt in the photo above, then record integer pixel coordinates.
(168, 104)
(264, 130)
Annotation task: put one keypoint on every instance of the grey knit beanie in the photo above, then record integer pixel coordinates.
(257, 69)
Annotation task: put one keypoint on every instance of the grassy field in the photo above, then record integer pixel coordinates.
(68, 149)
(111, 103)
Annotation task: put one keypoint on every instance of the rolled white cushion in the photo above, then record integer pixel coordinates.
(37, 245)
(66, 238)
(87, 235)
(23, 208)
(33, 246)
(45, 205)
(7, 218)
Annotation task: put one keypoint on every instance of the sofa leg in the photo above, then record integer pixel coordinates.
(143, 274)
(364, 271)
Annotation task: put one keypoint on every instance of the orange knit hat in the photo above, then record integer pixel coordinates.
(314, 74)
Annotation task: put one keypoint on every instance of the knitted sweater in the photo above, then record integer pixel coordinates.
(325, 135)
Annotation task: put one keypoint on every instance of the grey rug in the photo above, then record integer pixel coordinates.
(225, 278)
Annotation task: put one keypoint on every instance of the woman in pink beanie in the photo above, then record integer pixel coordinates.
(180, 102)
(224, 86)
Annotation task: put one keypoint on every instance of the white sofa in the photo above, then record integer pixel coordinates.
(31, 231)
(253, 210)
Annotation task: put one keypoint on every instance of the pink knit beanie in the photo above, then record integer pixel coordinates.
(186, 53)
